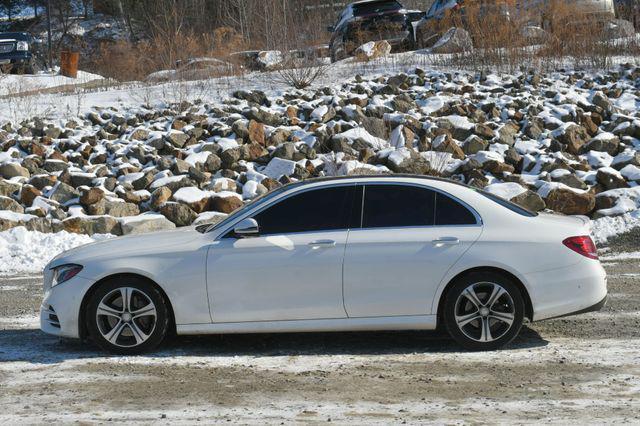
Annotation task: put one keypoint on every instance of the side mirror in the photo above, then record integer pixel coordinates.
(247, 228)
(330, 28)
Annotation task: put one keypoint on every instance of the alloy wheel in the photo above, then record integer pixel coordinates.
(484, 312)
(126, 317)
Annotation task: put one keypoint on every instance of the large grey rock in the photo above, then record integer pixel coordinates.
(8, 188)
(121, 209)
(10, 204)
(179, 214)
(530, 200)
(63, 193)
(11, 170)
(566, 201)
(146, 223)
(90, 225)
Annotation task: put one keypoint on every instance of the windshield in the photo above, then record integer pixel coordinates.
(233, 216)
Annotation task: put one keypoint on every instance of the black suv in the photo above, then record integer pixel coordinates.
(371, 20)
(19, 53)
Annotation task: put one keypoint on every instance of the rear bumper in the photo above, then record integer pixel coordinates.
(567, 291)
(593, 308)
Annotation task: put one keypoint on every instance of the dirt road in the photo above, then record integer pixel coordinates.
(583, 369)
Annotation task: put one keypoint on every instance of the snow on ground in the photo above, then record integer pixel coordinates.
(23, 251)
(13, 84)
(607, 227)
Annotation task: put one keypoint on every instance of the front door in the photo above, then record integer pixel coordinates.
(293, 269)
(410, 237)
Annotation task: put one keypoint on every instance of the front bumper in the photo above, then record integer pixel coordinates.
(60, 309)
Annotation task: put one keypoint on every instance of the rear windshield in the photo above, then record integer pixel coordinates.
(376, 7)
(507, 204)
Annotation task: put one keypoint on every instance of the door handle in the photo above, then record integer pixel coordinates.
(446, 241)
(322, 244)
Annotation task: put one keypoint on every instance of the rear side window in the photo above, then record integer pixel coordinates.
(450, 212)
(316, 210)
(393, 206)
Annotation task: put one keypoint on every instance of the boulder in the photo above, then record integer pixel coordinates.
(63, 193)
(146, 223)
(408, 161)
(567, 201)
(10, 204)
(256, 132)
(28, 194)
(11, 170)
(159, 197)
(573, 137)
(372, 50)
(177, 138)
(611, 178)
(121, 209)
(530, 200)
(226, 204)
(92, 225)
(8, 188)
(179, 214)
(605, 142)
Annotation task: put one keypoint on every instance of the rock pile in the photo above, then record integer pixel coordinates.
(568, 142)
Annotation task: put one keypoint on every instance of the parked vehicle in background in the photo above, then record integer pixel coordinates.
(372, 20)
(19, 53)
(395, 252)
(445, 14)
(562, 12)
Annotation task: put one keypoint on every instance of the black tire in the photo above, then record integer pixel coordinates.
(129, 339)
(504, 317)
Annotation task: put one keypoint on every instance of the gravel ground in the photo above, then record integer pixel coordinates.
(583, 369)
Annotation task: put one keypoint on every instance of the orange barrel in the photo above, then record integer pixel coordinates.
(69, 63)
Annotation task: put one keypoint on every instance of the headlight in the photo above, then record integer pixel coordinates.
(64, 273)
(22, 45)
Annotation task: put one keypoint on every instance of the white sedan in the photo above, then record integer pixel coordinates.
(333, 254)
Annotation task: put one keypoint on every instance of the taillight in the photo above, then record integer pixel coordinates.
(583, 245)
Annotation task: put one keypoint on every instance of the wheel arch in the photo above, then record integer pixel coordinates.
(528, 305)
(82, 328)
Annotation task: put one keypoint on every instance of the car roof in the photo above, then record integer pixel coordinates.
(329, 179)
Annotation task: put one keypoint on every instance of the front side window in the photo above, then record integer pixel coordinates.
(393, 206)
(316, 210)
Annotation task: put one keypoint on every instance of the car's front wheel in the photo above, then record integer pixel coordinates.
(484, 311)
(127, 316)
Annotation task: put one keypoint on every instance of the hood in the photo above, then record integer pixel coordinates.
(121, 246)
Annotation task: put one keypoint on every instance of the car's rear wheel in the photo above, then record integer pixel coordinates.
(484, 311)
(127, 316)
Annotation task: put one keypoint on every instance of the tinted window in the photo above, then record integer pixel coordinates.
(315, 210)
(388, 206)
(451, 212)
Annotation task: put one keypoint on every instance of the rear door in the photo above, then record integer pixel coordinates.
(410, 237)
